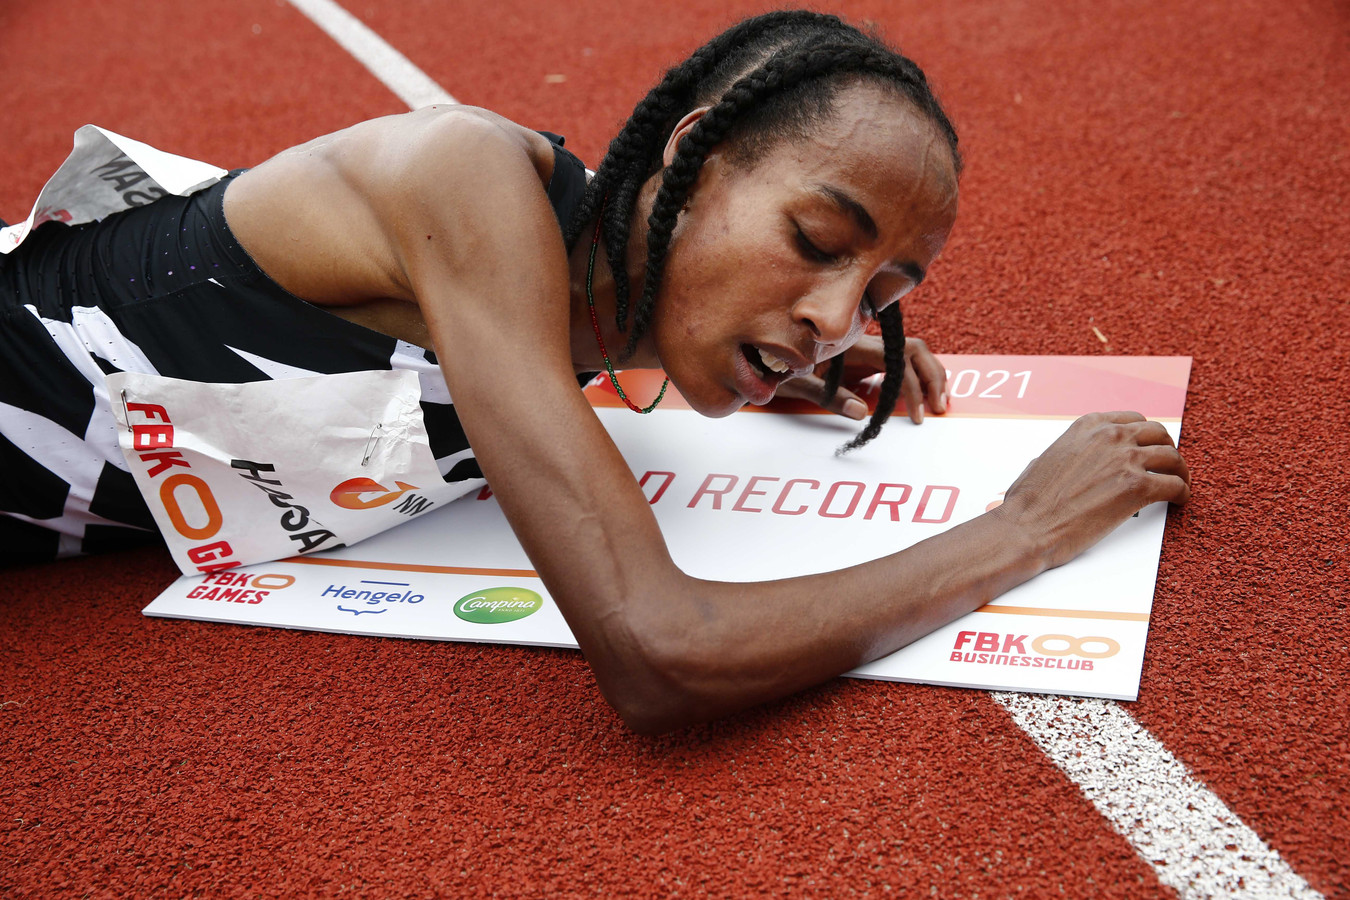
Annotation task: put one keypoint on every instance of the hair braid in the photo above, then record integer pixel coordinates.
(834, 376)
(893, 350)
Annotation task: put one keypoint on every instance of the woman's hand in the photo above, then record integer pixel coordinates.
(1101, 471)
(925, 381)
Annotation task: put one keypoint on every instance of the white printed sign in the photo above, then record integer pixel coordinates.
(761, 495)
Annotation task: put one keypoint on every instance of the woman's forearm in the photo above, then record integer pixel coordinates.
(704, 649)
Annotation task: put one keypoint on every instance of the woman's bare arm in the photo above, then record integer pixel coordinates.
(479, 244)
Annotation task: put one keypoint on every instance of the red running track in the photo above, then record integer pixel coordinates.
(1173, 174)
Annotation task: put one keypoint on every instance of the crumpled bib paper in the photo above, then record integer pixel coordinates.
(244, 473)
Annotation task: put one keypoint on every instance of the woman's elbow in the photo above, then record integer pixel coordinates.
(645, 718)
(656, 678)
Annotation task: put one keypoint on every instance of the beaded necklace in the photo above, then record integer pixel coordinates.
(595, 323)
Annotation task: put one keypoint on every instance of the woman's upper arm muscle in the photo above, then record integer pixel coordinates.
(482, 250)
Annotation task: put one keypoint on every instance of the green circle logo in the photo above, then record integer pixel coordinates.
(500, 604)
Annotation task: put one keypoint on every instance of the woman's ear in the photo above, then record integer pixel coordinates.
(683, 127)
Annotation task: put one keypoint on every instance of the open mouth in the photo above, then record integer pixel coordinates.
(765, 364)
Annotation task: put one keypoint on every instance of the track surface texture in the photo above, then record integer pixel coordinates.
(1172, 174)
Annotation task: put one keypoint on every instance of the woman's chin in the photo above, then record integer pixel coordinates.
(716, 404)
(724, 411)
(729, 404)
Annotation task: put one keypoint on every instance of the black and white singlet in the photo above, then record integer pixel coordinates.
(162, 289)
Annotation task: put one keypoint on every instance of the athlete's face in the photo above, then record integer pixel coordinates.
(783, 262)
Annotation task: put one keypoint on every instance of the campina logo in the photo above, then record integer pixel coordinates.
(499, 604)
(351, 494)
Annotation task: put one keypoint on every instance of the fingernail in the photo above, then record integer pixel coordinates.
(942, 402)
(855, 409)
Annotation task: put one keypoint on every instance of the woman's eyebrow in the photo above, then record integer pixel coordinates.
(851, 207)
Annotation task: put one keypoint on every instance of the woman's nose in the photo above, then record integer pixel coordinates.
(831, 315)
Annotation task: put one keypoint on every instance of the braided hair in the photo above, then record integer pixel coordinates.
(769, 78)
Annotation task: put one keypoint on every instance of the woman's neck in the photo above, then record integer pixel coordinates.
(586, 351)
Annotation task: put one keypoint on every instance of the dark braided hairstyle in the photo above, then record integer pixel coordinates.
(764, 80)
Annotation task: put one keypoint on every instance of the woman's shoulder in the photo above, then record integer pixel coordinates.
(330, 219)
(435, 148)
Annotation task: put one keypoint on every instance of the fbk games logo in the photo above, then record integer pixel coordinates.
(1048, 651)
(239, 587)
(500, 604)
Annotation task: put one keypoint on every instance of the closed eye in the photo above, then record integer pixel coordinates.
(811, 251)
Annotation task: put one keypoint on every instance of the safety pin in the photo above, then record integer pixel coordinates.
(126, 414)
(370, 444)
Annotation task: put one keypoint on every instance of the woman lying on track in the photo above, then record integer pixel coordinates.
(776, 193)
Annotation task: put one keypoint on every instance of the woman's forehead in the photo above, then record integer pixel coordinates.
(874, 142)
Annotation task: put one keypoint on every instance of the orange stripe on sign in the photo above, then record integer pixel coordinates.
(1064, 613)
(408, 567)
(530, 573)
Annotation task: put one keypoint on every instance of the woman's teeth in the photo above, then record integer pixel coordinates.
(773, 363)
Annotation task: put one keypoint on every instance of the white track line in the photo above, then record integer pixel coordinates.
(1174, 822)
(394, 70)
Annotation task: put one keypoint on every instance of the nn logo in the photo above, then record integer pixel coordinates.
(500, 604)
(367, 493)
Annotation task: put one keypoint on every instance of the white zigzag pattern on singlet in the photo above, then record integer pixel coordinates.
(91, 333)
(405, 357)
(277, 371)
(446, 463)
(66, 456)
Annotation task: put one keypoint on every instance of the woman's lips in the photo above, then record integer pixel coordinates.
(754, 382)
